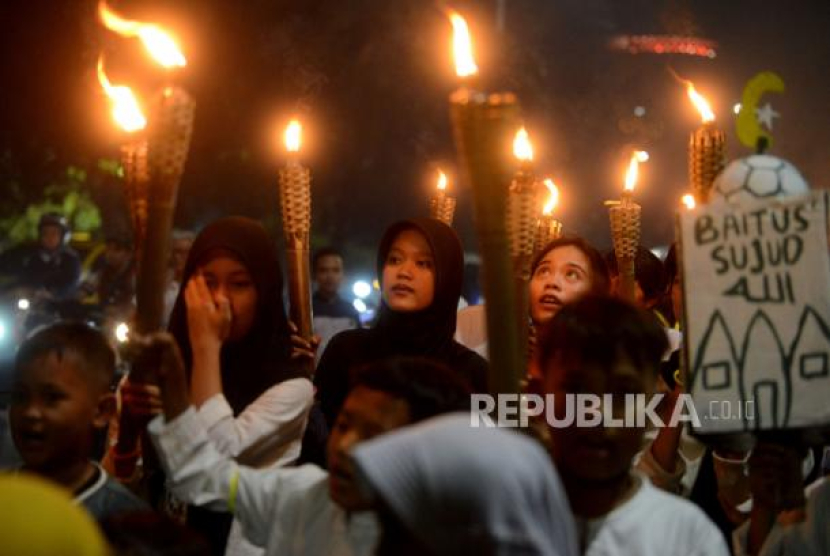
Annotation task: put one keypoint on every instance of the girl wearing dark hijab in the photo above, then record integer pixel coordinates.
(231, 325)
(420, 265)
(235, 339)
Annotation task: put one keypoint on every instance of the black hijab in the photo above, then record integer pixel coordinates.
(431, 330)
(262, 358)
(427, 333)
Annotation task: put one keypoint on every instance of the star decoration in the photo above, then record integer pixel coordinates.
(765, 115)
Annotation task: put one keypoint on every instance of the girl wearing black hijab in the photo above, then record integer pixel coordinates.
(231, 325)
(420, 265)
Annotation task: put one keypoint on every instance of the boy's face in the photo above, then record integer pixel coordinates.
(366, 414)
(53, 412)
(599, 453)
(328, 274)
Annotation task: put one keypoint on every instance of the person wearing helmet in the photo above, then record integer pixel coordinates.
(50, 266)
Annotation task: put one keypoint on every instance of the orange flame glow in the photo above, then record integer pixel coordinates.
(700, 103)
(522, 148)
(634, 169)
(462, 46)
(125, 109)
(442, 181)
(293, 135)
(688, 200)
(158, 42)
(553, 200)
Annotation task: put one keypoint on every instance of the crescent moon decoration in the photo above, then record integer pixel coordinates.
(748, 126)
(664, 44)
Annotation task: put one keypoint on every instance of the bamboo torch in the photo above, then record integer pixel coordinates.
(442, 205)
(295, 203)
(625, 229)
(548, 228)
(482, 127)
(522, 199)
(168, 142)
(707, 149)
(128, 116)
(167, 148)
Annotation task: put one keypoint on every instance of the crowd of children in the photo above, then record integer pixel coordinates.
(198, 450)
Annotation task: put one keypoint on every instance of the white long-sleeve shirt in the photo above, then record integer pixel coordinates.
(268, 432)
(287, 511)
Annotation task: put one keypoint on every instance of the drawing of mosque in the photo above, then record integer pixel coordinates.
(788, 384)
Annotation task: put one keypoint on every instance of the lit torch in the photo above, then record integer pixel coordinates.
(171, 125)
(295, 203)
(688, 201)
(441, 205)
(125, 108)
(462, 47)
(128, 116)
(482, 127)
(548, 228)
(161, 46)
(625, 229)
(707, 149)
(522, 203)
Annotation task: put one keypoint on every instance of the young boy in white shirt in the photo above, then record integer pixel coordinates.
(605, 346)
(302, 510)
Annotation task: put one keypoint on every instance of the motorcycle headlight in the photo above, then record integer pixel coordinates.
(122, 332)
(362, 289)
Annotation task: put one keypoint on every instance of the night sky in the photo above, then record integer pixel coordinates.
(370, 79)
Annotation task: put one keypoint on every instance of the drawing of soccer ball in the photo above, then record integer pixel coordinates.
(759, 176)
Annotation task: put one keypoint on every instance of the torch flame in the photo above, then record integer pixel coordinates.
(442, 180)
(293, 134)
(634, 169)
(125, 109)
(689, 200)
(158, 42)
(700, 103)
(522, 148)
(554, 197)
(462, 46)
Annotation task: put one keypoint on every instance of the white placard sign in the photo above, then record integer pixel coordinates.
(757, 314)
